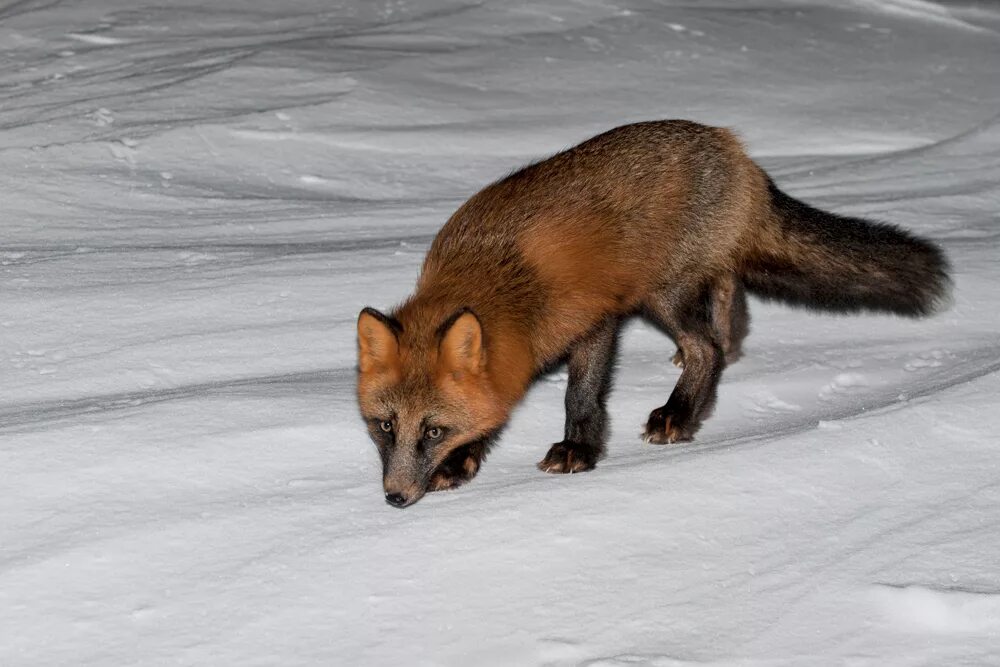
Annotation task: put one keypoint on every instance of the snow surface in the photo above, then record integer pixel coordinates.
(198, 199)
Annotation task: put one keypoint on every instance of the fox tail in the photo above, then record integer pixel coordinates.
(821, 260)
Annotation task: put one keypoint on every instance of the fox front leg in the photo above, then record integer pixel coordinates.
(590, 365)
(460, 467)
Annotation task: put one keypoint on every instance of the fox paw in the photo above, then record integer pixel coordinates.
(454, 472)
(666, 429)
(569, 457)
(678, 359)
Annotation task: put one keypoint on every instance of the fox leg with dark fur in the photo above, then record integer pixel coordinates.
(460, 467)
(591, 362)
(730, 318)
(730, 315)
(688, 318)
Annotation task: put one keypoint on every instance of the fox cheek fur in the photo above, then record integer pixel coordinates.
(670, 220)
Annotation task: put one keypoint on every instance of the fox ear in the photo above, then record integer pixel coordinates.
(378, 347)
(461, 348)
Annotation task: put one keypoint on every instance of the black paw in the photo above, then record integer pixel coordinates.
(664, 428)
(460, 467)
(569, 457)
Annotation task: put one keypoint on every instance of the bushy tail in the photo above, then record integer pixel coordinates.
(812, 258)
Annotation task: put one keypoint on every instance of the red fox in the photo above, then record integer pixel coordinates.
(670, 220)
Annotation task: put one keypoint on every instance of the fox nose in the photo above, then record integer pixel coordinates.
(395, 499)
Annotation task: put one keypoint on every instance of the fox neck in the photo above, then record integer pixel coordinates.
(510, 365)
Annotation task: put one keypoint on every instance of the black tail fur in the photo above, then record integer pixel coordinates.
(832, 262)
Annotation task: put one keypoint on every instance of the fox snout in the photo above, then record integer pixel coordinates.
(404, 477)
(402, 495)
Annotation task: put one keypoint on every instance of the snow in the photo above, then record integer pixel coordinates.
(199, 198)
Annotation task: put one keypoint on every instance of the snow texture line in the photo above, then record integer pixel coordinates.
(31, 416)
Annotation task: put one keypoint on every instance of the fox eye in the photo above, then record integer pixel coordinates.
(433, 433)
(386, 426)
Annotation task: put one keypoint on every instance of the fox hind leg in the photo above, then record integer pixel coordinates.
(730, 318)
(591, 362)
(688, 318)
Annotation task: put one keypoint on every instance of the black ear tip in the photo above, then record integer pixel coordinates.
(388, 321)
(464, 310)
(446, 325)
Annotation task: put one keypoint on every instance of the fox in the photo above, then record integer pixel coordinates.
(668, 220)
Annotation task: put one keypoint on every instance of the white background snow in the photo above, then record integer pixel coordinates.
(197, 199)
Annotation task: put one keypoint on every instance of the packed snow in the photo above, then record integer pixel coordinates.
(199, 197)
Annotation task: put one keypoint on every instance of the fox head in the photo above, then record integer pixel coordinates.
(424, 392)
